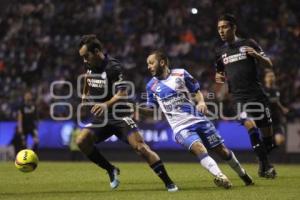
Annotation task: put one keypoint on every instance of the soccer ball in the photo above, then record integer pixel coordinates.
(26, 160)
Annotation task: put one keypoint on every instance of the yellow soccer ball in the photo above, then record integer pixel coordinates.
(26, 160)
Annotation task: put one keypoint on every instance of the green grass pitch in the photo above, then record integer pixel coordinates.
(84, 181)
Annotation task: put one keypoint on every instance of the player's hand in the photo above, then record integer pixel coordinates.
(285, 110)
(84, 98)
(20, 130)
(220, 78)
(251, 52)
(99, 109)
(201, 107)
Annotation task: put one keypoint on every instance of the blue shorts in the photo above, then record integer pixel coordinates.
(205, 132)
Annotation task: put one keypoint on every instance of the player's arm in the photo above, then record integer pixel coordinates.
(145, 111)
(283, 109)
(220, 74)
(151, 106)
(99, 108)
(194, 87)
(85, 90)
(199, 99)
(121, 88)
(256, 51)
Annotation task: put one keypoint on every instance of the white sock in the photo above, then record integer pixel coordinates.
(210, 164)
(235, 165)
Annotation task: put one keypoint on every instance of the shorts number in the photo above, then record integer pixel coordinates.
(212, 139)
(130, 122)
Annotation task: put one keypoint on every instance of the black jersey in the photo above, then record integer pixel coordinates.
(105, 81)
(241, 69)
(274, 98)
(29, 116)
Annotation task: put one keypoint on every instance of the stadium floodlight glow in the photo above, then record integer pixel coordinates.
(194, 11)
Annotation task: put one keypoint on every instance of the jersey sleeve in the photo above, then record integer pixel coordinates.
(191, 83)
(116, 77)
(256, 47)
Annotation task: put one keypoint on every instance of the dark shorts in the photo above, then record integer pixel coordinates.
(258, 111)
(29, 131)
(120, 128)
(278, 128)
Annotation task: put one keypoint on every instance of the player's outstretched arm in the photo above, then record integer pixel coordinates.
(145, 111)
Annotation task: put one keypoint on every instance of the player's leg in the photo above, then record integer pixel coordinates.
(228, 156)
(212, 140)
(154, 161)
(86, 143)
(267, 136)
(265, 168)
(189, 139)
(265, 126)
(17, 141)
(35, 140)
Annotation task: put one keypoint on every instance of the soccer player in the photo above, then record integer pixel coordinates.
(27, 121)
(237, 61)
(171, 91)
(104, 73)
(277, 109)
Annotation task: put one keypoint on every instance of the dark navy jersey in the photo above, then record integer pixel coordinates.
(29, 116)
(274, 98)
(241, 70)
(105, 81)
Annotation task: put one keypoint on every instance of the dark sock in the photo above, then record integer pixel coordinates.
(160, 170)
(258, 146)
(268, 142)
(99, 160)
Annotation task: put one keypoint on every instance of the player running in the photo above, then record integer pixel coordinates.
(237, 61)
(104, 73)
(277, 109)
(171, 91)
(28, 121)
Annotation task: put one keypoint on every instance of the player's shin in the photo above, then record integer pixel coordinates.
(235, 164)
(99, 160)
(210, 164)
(159, 168)
(258, 146)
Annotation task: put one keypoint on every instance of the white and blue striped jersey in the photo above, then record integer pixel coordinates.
(173, 95)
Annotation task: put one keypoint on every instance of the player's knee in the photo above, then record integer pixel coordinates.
(84, 139)
(249, 124)
(142, 148)
(222, 151)
(198, 148)
(279, 139)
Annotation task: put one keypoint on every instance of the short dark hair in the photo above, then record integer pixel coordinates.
(161, 55)
(228, 17)
(92, 42)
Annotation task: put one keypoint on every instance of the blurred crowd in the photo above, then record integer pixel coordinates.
(39, 41)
